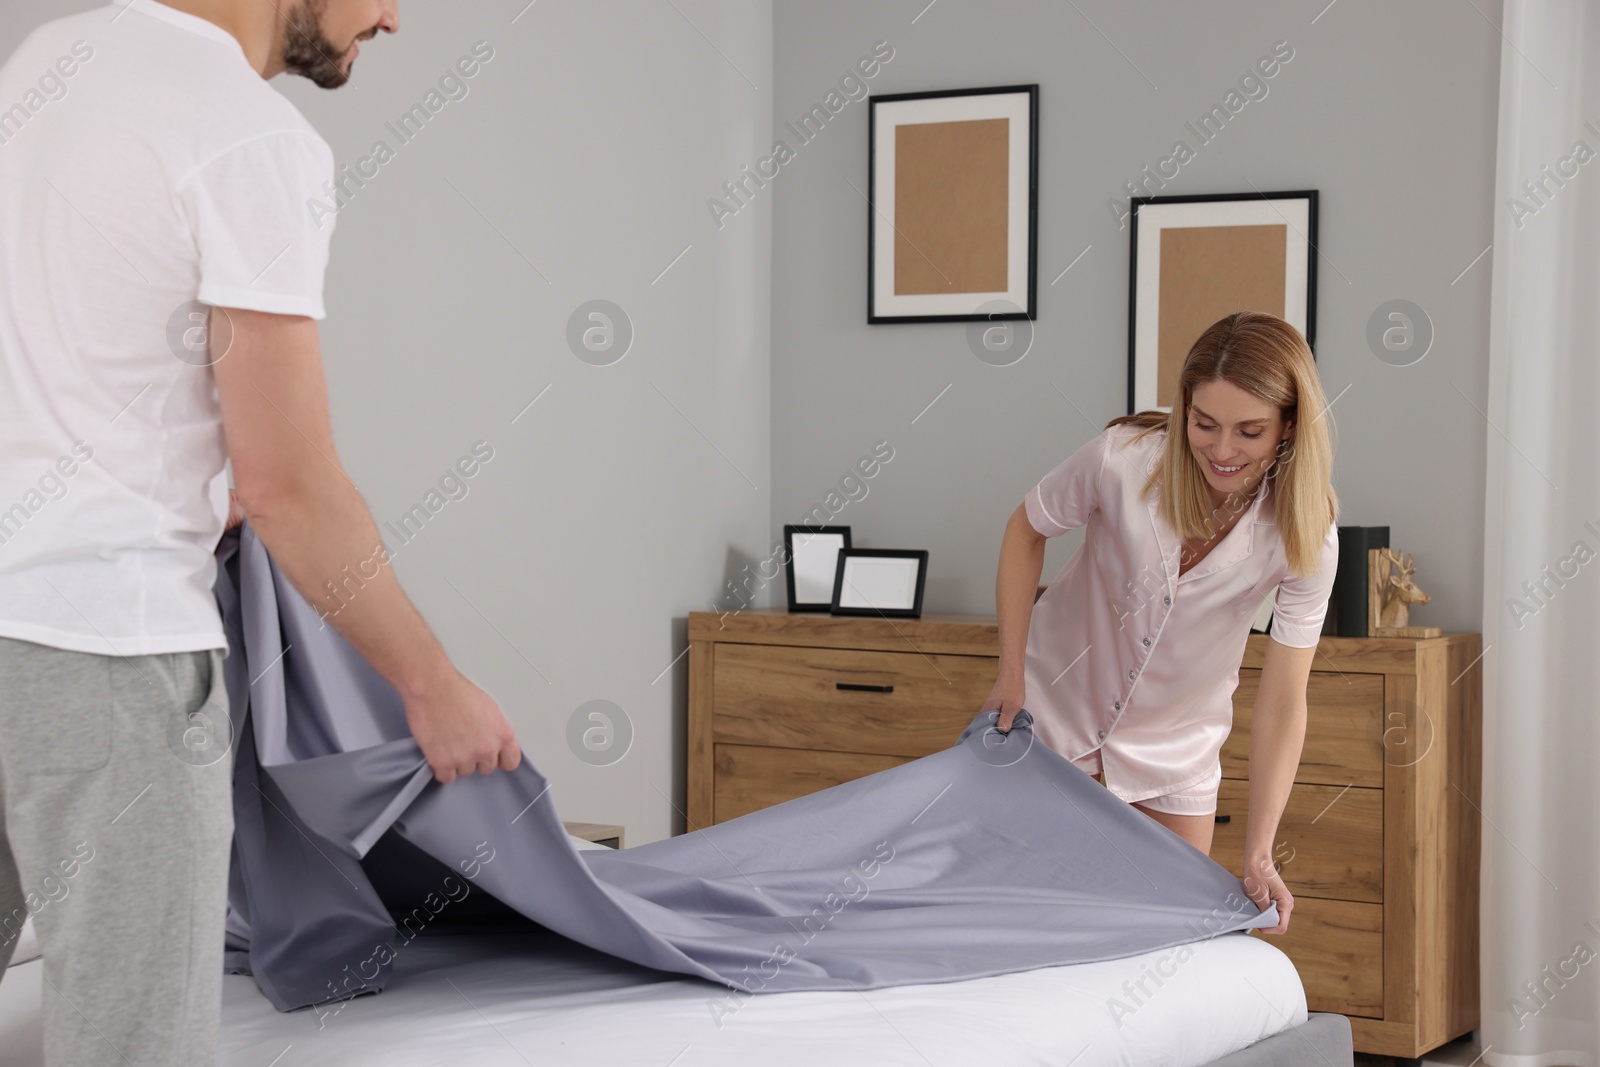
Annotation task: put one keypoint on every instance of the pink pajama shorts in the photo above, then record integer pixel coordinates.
(1197, 799)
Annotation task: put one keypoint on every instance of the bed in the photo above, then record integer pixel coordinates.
(499, 999)
(905, 917)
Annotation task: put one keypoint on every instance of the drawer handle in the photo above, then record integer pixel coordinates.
(1224, 818)
(856, 687)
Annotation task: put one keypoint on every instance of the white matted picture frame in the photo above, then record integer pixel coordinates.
(880, 582)
(1197, 259)
(813, 558)
(952, 205)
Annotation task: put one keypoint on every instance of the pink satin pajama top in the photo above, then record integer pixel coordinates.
(1127, 657)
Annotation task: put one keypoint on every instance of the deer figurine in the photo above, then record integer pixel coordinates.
(1391, 592)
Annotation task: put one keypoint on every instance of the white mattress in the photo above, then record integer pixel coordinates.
(499, 1000)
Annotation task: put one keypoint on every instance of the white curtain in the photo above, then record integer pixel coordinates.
(1540, 916)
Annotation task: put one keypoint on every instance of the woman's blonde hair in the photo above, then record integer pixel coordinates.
(1269, 359)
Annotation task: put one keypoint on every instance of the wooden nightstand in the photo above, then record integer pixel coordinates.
(1379, 842)
(600, 833)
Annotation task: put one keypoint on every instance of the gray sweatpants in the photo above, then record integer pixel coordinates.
(116, 817)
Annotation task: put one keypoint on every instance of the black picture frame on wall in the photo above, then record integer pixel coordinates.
(854, 593)
(813, 578)
(884, 112)
(1295, 208)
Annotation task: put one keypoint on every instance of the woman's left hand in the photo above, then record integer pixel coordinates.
(235, 512)
(1264, 886)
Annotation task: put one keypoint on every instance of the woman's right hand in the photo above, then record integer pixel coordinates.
(1007, 696)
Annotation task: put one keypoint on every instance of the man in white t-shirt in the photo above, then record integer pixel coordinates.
(148, 174)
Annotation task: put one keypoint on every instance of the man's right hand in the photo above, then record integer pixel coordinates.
(461, 729)
(1007, 696)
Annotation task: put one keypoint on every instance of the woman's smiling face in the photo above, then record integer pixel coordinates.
(1234, 436)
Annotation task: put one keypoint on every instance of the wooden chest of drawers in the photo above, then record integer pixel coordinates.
(1379, 842)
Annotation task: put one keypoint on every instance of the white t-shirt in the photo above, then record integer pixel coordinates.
(144, 165)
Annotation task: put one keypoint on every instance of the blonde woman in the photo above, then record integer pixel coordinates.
(1129, 660)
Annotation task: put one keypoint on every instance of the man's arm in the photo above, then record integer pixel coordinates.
(313, 520)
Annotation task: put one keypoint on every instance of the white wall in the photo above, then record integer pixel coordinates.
(587, 147)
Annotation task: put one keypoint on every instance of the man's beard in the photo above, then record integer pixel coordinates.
(307, 50)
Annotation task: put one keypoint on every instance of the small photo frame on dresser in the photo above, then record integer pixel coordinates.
(885, 582)
(1262, 624)
(813, 555)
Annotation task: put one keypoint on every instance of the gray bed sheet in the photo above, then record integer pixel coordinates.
(992, 856)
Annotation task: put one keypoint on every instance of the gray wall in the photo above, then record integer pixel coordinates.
(1388, 109)
(589, 144)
